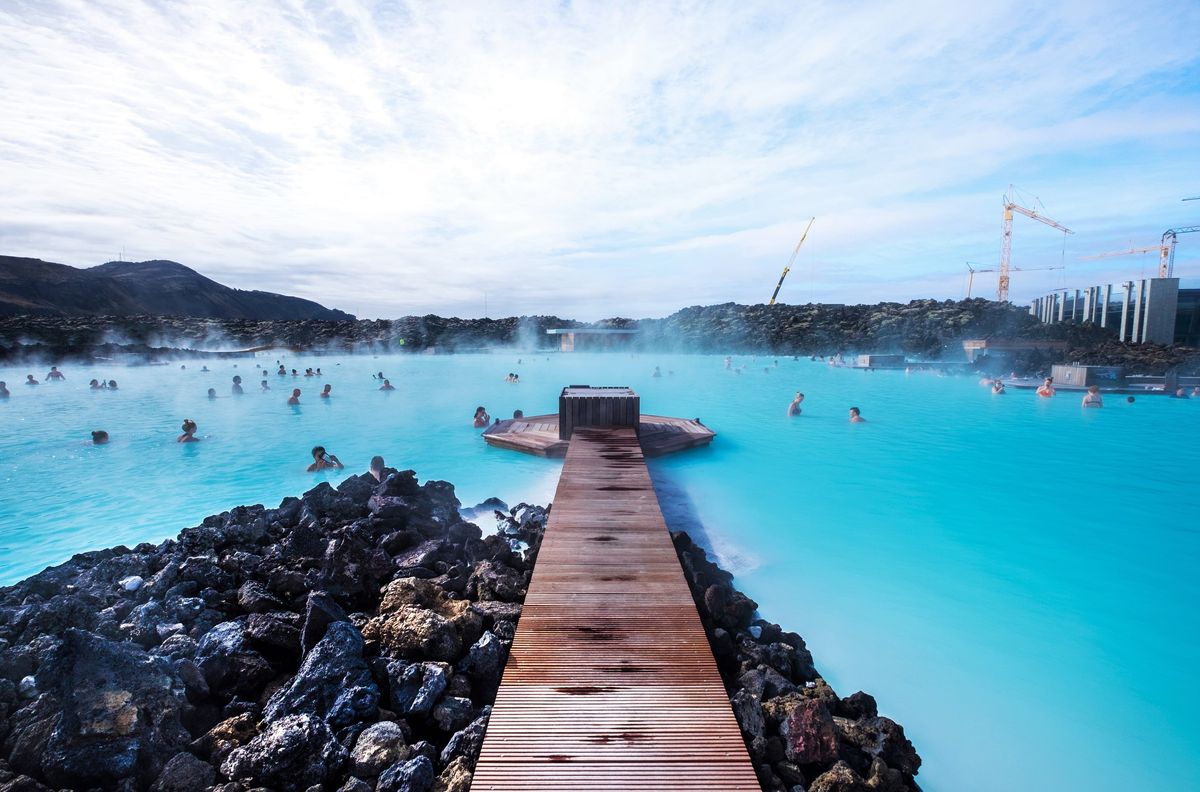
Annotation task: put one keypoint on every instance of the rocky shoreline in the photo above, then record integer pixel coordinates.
(928, 330)
(352, 639)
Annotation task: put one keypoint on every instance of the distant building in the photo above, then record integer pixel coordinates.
(1137, 311)
(574, 339)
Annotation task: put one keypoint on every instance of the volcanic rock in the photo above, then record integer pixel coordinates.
(333, 683)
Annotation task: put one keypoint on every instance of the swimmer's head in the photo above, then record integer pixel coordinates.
(376, 463)
(1093, 388)
(1130, 399)
(99, 437)
(295, 392)
(189, 426)
(518, 414)
(854, 412)
(318, 452)
(212, 393)
(237, 380)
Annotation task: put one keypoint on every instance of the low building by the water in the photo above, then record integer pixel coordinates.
(879, 362)
(575, 339)
(1003, 347)
(1079, 376)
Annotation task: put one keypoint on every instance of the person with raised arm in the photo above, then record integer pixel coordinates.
(324, 461)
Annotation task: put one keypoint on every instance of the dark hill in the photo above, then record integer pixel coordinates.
(131, 288)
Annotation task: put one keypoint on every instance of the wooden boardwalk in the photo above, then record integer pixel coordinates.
(538, 435)
(611, 684)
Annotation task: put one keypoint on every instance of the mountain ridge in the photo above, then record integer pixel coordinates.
(156, 287)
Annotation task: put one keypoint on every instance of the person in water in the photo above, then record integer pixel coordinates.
(189, 432)
(204, 368)
(518, 414)
(99, 437)
(282, 371)
(794, 408)
(1129, 400)
(94, 385)
(387, 386)
(482, 418)
(237, 385)
(1093, 398)
(265, 386)
(656, 373)
(324, 461)
(324, 394)
(212, 393)
(998, 386)
(376, 469)
(1047, 389)
(295, 397)
(29, 380)
(4, 391)
(55, 374)
(112, 384)
(856, 416)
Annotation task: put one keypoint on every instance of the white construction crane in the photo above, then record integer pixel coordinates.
(1165, 251)
(971, 273)
(1010, 206)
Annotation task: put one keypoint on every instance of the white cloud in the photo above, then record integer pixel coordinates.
(590, 159)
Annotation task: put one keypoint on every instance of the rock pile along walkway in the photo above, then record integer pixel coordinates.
(610, 684)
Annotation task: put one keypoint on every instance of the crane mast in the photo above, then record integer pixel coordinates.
(1011, 206)
(1166, 256)
(791, 261)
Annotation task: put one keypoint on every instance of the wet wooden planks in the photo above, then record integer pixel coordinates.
(610, 684)
(538, 434)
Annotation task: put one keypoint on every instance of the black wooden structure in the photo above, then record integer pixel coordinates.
(585, 405)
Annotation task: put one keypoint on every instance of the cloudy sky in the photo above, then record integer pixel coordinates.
(597, 159)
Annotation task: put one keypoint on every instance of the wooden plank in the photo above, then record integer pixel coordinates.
(610, 684)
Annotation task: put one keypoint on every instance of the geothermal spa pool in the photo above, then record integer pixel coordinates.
(1015, 579)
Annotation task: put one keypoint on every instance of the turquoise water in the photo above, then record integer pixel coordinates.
(1013, 578)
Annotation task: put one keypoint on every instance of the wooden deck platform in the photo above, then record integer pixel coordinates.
(611, 684)
(538, 435)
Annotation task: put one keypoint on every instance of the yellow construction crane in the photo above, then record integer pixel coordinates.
(791, 261)
(971, 273)
(1010, 206)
